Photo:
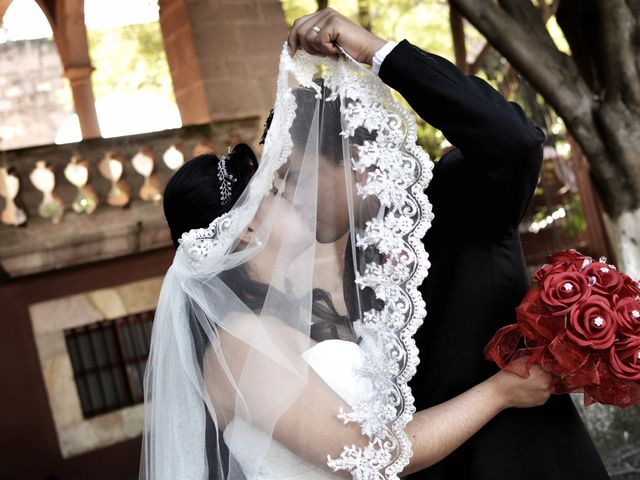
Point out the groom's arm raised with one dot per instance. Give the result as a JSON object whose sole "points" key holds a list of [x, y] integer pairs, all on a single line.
{"points": [[501, 147]]}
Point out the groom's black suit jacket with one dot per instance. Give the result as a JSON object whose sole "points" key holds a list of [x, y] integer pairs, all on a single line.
{"points": [[480, 192]]}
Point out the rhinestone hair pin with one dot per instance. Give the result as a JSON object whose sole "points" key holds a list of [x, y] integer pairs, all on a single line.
{"points": [[225, 178]]}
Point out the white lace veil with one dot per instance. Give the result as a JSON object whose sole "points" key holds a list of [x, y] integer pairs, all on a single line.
{"points": [[282, 341]]}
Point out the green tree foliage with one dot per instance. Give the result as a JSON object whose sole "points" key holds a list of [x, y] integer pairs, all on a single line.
{"points": [[130, 59]]}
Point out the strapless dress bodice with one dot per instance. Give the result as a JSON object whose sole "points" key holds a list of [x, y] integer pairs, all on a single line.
{"points": [[335, 361]]}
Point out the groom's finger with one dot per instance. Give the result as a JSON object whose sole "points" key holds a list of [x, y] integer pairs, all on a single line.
{"points": [[322, 34], [305, 32], [293, 40], [326, 39], [308, 33], [315, 41]]}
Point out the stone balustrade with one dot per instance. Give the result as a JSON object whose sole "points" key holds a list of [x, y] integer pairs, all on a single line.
{"points": [[108, 232]]}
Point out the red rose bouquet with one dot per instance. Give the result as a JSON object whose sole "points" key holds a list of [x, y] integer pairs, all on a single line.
{"points": [[580, 320]]}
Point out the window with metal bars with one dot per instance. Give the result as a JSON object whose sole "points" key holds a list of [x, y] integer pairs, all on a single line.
{"points": [[108, 359]]}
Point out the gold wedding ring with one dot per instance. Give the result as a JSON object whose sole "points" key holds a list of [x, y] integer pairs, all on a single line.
{"points": [[316, 28]]}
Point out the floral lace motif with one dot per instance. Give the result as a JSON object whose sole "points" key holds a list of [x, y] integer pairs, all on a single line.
{"points": [[398, 171]]}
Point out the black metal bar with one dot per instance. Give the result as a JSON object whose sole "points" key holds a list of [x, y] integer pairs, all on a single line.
{"points": [[116, 366], [77, 332], [123, 364], [89, 333]]}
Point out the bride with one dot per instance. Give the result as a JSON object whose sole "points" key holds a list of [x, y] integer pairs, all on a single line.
{"points": [[282, 343]]}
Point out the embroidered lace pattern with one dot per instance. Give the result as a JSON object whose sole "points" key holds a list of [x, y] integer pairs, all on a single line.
{"points": [[398, 173]]}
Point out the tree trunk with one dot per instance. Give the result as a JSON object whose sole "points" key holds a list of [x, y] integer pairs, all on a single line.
{"points": [[627, 228], [597, 94]]}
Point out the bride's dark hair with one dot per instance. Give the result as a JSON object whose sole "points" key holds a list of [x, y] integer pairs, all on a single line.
{"points": [[192, 196], [192, 199]]}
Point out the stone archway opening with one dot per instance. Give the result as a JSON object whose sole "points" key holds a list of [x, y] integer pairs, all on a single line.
{"points": [[66, 21], [131, 81]]}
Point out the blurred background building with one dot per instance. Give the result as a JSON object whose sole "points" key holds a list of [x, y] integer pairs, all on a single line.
{"points": [[99, 103]]}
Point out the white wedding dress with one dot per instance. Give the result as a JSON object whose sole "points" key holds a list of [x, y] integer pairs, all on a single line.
{"points": [[335, 361]]}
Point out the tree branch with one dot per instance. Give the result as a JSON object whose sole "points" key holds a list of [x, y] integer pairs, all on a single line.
{"points": [[619, 54], [551, 73], [364, 14], [520, 11], [476, 65], [547, 10], [546, 68], [581, 27], [457, 32]]}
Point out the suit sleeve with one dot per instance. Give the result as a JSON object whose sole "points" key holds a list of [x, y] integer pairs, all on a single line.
{"points": [[500, 145]]}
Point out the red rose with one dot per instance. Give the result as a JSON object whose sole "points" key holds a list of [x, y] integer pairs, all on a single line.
{"points": [[550, 269], [625, 358], [628, 309], [592, 323], [536, 321], [604, 279], [630, 287], [569, 258], [565, 261], [560, 291]]}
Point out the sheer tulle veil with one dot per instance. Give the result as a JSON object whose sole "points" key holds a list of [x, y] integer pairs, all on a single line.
{"points": [[282, 341]]}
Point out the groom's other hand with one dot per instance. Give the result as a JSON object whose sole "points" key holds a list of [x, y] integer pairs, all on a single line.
{"points": [[320, 33]]}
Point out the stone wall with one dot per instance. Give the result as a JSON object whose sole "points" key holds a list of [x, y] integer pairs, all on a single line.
{"points": [[223, 56], [32, 89], [37, 440]]}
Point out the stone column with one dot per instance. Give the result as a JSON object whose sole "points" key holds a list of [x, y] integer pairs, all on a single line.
{"points": [[83, 100], [223, 56], [70, 34], [4, 4]]}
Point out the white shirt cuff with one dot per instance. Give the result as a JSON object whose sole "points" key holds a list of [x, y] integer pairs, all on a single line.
{"points": [[381, 54]]}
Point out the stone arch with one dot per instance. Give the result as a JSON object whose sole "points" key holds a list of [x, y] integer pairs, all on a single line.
{"points": [[66, 18]]}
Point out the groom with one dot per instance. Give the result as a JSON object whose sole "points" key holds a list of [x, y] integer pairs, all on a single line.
{"points": [[479, 192]]}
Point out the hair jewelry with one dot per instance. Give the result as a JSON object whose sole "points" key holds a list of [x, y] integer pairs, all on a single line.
{"points": [[225, 178]]}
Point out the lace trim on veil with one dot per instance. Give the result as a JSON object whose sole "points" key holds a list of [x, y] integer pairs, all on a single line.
{"points": [[398, 173]]}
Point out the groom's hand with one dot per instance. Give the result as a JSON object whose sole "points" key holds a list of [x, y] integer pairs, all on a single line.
{"points": [[320, 33]]}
